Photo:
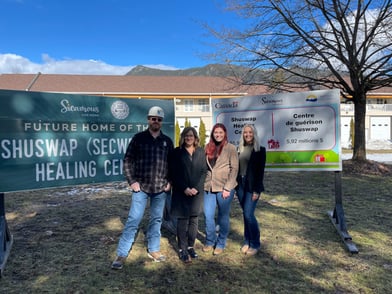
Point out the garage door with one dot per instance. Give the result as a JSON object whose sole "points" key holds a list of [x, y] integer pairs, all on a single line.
{"points": [[380, 128]]}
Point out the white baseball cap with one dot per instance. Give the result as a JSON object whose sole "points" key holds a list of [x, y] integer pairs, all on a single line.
{"points": [[156, 111]]}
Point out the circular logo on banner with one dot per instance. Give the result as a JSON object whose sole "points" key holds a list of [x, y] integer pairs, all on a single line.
{"points": [[120, 109]]}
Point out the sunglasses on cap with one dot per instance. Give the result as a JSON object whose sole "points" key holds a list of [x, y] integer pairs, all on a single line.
{"points": [[159, 119]]}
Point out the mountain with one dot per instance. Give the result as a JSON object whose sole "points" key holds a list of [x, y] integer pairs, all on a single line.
{"points": [[210, 70], [248, 76]]}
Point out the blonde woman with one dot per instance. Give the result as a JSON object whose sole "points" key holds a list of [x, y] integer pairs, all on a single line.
{"points": [[250, 179]]}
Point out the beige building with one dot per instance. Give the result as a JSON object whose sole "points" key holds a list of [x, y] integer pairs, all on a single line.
{"points": [[192, 96]]}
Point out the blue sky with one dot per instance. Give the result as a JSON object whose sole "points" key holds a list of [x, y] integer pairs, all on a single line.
{"points": [[108, 36]]}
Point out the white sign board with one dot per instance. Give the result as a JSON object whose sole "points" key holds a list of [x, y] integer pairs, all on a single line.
{"points": [[301, 131]]}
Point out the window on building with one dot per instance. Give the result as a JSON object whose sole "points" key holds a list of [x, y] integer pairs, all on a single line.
{"points": [[188, 104], [204, 105]]}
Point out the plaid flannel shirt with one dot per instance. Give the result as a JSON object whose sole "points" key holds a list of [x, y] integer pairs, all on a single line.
{"points": [[146, 161]]}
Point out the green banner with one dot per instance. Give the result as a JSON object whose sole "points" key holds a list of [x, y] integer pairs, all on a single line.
{"points": [[54, 139]]}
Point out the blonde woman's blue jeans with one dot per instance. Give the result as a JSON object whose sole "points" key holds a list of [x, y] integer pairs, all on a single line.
{"points": [[251, 225]]}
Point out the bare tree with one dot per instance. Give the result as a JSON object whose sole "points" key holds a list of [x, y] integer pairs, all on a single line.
{"points": [[331, 44]]}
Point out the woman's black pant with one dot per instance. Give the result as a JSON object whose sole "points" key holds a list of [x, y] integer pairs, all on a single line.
{"points": [[187, 229]]}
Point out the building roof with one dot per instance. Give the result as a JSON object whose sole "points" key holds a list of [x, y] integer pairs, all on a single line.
{"points": [[106, 84], [142, 86]]}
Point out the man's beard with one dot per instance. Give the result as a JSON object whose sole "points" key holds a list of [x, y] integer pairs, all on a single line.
{"points": [[154, 127]]}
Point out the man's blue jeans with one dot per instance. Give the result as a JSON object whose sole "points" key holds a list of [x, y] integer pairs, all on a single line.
{"points": [[211, 201], [136, 212], [251, 225]]}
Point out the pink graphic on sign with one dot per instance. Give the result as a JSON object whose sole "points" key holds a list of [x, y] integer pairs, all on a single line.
{"points": [[273, 144]]}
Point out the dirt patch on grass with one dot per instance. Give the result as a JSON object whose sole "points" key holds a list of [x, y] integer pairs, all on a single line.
{"points": [[367, 167]]}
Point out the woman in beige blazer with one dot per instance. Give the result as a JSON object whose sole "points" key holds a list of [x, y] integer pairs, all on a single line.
{"points": [[222, 162]]}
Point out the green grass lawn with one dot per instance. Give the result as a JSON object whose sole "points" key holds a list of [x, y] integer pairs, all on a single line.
{"points": [[65, 240]]}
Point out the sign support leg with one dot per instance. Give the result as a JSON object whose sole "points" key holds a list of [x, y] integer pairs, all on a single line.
{"points": [[337, 215], [6, 238]]}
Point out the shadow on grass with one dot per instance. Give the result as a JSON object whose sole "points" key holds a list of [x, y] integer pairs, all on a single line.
{"points": [[65, 240]]}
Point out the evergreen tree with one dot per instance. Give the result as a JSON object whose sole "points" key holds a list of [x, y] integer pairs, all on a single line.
{"points": [[177, 134], [202, 133], [187, 123]]}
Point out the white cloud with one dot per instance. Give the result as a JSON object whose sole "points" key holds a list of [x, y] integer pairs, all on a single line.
{"points": [[15, 64]]}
